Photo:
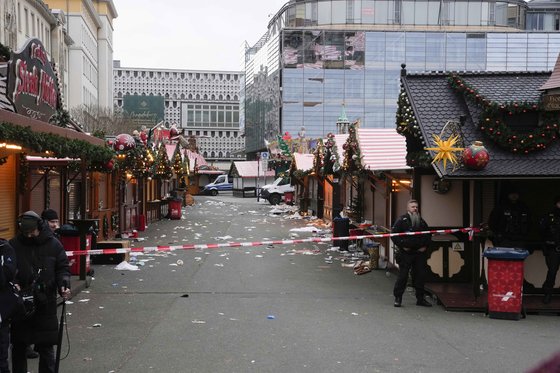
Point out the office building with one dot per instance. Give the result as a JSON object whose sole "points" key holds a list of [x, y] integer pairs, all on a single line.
{"points": [[317, 56], [203, 104]]}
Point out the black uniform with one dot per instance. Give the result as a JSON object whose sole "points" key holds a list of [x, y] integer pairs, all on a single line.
{"points": [[408, 257], [510, 223], [42, 267], [550, 231], [7, 302]]}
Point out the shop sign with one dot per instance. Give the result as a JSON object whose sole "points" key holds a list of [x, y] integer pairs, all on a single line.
{"points": [[32, 83], [551, 102]]}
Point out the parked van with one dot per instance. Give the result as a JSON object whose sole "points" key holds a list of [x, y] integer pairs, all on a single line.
{"points": [[274, 192], [221, 184]]}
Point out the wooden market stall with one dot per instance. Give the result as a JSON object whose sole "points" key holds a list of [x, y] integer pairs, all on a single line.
{"points": [[514, 115], [300, 173], [248, 176], [378, 182]]}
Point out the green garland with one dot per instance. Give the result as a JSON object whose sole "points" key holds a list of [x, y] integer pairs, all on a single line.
{"points": [[330, 161], [493, 124], [59, 146], [419, 158], [353, 156], [61, 118], [5, 52]]}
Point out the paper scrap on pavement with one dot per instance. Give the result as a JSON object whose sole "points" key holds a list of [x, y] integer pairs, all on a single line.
{"points": [[125, 266], [305, 229]]}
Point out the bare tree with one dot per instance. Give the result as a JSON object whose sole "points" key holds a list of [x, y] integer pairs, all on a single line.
{"points": [[100, 121]]}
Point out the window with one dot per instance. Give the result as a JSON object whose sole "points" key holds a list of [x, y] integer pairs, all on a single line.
{"points": [[26, 21], [19, 17]]}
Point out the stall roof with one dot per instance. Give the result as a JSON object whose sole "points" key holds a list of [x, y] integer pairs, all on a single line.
{"points": [[435, 102], [303, 162], [170, 150], [197, 161], [250, 169], [382, 149]]}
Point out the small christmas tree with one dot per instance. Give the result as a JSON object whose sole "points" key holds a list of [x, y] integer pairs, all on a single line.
{"points": [[162, 167]]}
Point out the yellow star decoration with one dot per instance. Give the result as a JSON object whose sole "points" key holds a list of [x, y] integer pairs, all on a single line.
{"points": [[445, 149]]}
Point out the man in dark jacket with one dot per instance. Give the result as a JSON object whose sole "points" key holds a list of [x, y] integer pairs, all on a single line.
{"points": [[43, 270], [411, 256], [7, 300], [510, 221], [550, 231]]}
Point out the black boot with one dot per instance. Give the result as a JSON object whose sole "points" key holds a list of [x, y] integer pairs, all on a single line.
{"points": [[398, 301], [423, 302]]}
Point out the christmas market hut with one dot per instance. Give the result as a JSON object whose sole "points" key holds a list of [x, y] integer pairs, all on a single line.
{"points": [[200, 172], [331, 170], [45, 158], [472, 138], [300, 174], [377, 180], [247, 176]]}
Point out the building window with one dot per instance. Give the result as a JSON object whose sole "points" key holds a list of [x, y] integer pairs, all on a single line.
{"points": [[26, 21]]}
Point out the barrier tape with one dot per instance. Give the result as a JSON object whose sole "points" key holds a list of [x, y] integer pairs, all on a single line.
{"points": [[150, 249]]}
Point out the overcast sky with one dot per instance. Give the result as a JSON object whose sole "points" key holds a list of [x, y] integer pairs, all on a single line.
{"points": [[189, 34]]}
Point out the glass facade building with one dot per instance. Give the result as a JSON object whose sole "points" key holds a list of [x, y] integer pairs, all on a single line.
{"points": [[319, 55]]}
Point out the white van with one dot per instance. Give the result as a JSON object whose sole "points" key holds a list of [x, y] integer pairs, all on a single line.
{"points": [[275, 192]]}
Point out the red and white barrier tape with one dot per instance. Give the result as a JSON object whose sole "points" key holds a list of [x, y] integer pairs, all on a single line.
{"points": [[150, 249]]}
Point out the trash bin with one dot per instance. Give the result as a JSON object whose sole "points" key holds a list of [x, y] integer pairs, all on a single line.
{"points": [[341, 228], [70, 240], [175, 208], [289, 198], [505, 282]]}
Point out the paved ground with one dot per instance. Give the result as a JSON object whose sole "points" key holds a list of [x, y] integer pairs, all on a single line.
{"points": [[268, 309]]}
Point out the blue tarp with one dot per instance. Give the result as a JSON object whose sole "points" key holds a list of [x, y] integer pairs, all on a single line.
{"points": [[508, 253]]}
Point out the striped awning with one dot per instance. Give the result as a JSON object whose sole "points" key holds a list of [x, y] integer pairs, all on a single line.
{"points": [[382, 149]]}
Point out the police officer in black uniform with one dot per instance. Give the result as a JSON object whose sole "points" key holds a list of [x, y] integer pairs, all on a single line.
{"points": [[412, 256], [510, 221], [550, 231]]}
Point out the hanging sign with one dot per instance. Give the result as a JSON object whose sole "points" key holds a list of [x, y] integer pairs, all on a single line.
{"points": [[32, 82], [551, 102]]}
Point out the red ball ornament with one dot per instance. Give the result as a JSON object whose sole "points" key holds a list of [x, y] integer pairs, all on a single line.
{"points": [[476, 157], [110, 164], [124, 142]]}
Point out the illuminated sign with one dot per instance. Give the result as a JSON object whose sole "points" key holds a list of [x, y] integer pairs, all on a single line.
{"points": [[32, 83]]}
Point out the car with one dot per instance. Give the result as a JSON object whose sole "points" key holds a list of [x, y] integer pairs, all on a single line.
{"points": [[221, 184], [274, 192]]}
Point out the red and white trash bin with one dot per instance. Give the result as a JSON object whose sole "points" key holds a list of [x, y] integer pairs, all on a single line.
{"points": [[505, 282], [72, 243]]}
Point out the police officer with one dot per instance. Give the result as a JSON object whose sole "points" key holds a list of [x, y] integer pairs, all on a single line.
{"points": [[510, 221], [550, 231], [412, 256]]}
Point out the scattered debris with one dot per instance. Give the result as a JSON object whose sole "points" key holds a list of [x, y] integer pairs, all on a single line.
{"points": [[125, 266]]}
